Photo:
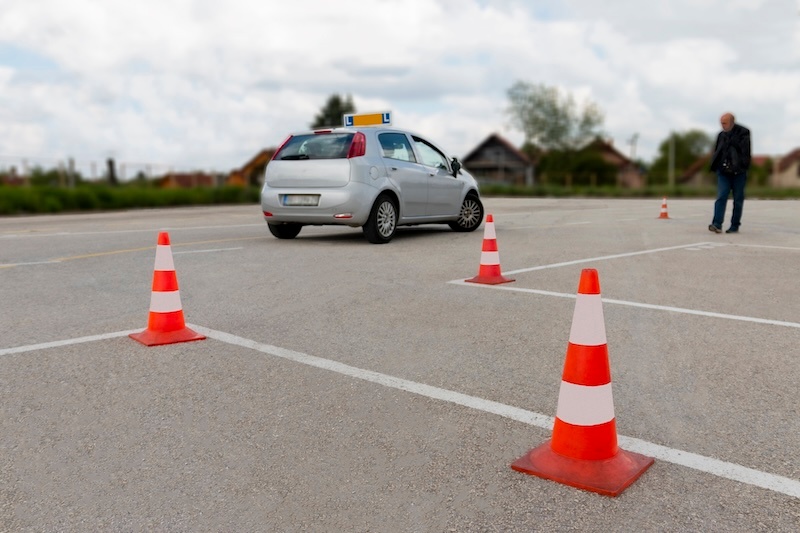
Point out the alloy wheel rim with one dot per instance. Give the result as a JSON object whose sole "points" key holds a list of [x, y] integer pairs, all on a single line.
{"points": [[386, 219], [469, 213]]}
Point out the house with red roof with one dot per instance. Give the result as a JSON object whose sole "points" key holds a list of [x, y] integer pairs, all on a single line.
{"points": [[185, 180], [252, 172], [628, 173], [496, 160], [786, 171]]}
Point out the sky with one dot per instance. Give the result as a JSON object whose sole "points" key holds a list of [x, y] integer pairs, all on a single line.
{"points": [[205, 85]]}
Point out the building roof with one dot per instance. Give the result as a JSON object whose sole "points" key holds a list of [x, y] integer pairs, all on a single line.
{"points": [[189, 179], [703, 161], [695, 167], [496, 138], [260, 158], [787, 160], [606, 146]]}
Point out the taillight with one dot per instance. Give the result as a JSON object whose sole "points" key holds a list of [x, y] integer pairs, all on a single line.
{"points": [[281, 147], [358, 146]]}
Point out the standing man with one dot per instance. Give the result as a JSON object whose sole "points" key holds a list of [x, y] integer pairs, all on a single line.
{"points": [[731, 161]]}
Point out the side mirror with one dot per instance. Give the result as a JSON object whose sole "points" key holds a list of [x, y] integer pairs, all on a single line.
{"points": [[456, 166]]}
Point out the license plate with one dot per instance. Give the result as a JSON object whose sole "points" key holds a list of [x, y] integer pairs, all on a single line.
{"points": [[301, 199]]}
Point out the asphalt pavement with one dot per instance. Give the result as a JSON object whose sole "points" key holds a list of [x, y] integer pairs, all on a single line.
{"points": [[346, 386]]}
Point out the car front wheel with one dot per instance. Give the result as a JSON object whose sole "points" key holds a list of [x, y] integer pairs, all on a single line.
{"points": [[470, 216], [382, 221], [285, 231]]}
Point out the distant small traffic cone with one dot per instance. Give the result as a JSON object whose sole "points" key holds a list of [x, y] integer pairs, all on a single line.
{"points": [[664, 209], [489, 270], [583, 450], [166, 324]]}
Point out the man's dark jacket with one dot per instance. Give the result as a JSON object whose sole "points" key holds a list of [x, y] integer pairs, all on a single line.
{"points": [[732, 152]]}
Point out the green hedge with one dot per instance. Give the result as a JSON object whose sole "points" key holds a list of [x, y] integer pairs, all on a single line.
{"points": [[44, 199], [556, 191]]}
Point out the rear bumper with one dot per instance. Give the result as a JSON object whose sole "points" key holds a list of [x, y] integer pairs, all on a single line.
{"points": [[355, 200]]}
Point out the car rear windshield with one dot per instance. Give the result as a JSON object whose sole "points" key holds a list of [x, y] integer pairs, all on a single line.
{"points": [[316, 146]]}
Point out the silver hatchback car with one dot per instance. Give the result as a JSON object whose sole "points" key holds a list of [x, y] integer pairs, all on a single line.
{"points": [[373, 177]]}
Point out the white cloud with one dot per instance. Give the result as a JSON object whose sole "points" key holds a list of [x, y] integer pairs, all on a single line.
{"points": [[208, 84]]}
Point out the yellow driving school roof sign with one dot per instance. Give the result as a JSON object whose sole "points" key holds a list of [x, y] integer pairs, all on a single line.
{"points": [[368, 119]]}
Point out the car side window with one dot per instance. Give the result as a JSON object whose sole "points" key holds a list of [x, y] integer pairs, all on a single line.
{"points": [[396, 146], [430, 156]]}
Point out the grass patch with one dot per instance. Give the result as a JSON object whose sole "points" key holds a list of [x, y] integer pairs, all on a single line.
{"points": [[97, 197], [90, 197]]}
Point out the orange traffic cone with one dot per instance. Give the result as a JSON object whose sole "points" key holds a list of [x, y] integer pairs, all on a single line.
{"points": [[583, 450], [664, 209], [165, 324], [489, 270]]}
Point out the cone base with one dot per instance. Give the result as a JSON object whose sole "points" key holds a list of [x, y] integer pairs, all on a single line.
{"points": [[150, 337], [663, 216], [489, 280], [607, 476]]}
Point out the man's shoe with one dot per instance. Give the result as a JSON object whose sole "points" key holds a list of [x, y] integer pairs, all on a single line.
{"points": [[732, 230], [712, 227]]}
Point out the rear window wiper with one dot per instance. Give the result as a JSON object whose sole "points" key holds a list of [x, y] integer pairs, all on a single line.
{"points": [[295, 156]]}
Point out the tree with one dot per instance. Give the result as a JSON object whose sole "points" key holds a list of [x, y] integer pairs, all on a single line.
{"points": [[585, 167], [688, 147], [550, 119], [333, 110], [759, 174]]}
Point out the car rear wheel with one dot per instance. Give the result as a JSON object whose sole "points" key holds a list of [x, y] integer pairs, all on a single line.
{"points": [[285, 231], [382, 221], [470, 216]]}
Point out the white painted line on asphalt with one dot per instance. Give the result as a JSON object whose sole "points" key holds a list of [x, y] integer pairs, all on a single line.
{"points": [[429, 391], [204, 251], [67, 342], [9, 265], [601, 258], [767, 246], [682, 310], [709, 465]]}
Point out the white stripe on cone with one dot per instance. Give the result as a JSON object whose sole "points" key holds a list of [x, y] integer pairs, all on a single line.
{"points": [[588, 324], [581, 405], [164, 258], [165, 301], [489, 232], [490, 258]]}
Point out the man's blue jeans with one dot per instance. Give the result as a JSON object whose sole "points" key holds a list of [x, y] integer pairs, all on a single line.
{"points": [[726, 184]]}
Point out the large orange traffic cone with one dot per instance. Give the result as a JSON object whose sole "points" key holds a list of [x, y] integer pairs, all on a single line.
{"points": [[165, 324], [583, 450], [664, 209], [489, 269]]}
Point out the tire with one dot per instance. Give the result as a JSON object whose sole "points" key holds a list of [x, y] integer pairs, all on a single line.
{"points": [[470, 216], [285, 231], [382, 222]]}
